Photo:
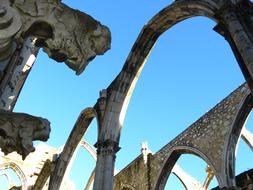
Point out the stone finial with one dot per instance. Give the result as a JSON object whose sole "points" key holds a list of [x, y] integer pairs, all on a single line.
{"points": [[19, 130], [145, 151], [103, 93]]}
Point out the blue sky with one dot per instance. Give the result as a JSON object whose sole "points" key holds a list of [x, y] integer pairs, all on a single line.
{"points": [[190, 69]]}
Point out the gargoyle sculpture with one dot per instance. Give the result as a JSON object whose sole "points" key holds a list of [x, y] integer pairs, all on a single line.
{"points": [[19, 130], [65, 34]]}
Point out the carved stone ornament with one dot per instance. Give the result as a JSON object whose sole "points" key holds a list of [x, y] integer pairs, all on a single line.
{"points": [[65, 34], [10, 24], [19, 130]]}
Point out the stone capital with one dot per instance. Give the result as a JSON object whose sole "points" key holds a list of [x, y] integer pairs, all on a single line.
{"points": [[107, 147]]}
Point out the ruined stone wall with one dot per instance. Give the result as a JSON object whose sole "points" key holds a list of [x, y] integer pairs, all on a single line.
{"points": [[209, 138], [133, 176]]}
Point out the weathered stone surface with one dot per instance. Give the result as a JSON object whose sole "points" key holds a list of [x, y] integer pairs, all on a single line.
{"points": [[16, 188], [33, 176], [213, 137], [58, 33], [19, 130], [120, 90], [16, 73], [127, 177], [136, 176], [244, 181], [65, 34], [247, 136], [70, 147], [10, 24]]}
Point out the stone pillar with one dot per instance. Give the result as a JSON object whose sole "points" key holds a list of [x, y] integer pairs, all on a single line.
{"points": [[108, 140], [237, 21], [15, 60], [18, 68], [106, 154]]}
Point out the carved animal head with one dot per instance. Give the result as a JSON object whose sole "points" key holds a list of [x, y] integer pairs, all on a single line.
{"points": [[65, 34], [83, 38], [19, 130], [31, 129]]}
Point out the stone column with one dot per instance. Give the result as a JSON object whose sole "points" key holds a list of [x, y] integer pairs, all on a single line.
{"points": [[106, 154], [108, 137], [236, 20], [15, 60], [18, 68]]}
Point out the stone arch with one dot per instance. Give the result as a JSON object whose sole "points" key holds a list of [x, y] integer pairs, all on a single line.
{"points": [[180, 179], [7, 176], [171, 160], [89, 149], [233, 111], [17, 170], [121, 89], [93, 154], [71, 146], [186, 180], [232, 139], [247, 136]]}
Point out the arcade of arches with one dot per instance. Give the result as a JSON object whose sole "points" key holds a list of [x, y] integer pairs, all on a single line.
{"points": [[28, 25]]}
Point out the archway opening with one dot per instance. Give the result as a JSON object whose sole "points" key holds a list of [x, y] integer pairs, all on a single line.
{"points": [[85, 159], [9, 178], [182, 79], [191, 172]]}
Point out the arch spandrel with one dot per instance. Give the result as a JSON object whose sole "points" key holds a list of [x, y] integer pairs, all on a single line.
{"points": [[207, 137]]}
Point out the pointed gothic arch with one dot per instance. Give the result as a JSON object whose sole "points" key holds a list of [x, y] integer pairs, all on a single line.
{"points": [[18, 171]]}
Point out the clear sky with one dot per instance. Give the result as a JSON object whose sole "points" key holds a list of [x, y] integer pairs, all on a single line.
{"points": [[190, 69]]}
